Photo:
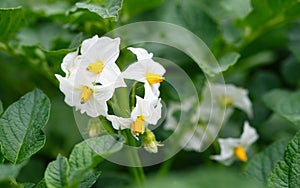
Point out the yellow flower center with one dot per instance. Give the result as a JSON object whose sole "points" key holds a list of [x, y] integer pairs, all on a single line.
{"points": [[154, 78], [226, 101], [240, 153], [138, 127], [85, 94], [95, 67]]}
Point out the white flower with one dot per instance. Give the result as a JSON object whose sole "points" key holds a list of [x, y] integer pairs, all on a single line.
{"points": [[145, 70], [236, 148], [147, 111], [98, 57], [85, 96], [70, 63], [216, 97]]}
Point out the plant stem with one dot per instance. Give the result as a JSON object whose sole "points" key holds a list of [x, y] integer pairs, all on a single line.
{"points": [[137, 172]]}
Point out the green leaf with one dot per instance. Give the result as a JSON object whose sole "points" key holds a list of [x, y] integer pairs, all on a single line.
{"points": [[21, 126], [290, 71], [57, 172], [106, 144], [228, 60], [12, 19], [90, 180], [261, 165], [287, 172], [9, 171], [105, 8], [41, 184], [285, 103]]}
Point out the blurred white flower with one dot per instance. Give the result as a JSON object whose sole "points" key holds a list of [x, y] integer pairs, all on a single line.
{"points": [[147, 111], [145, 70], [98, 57], [236, 148], [219, 97]]}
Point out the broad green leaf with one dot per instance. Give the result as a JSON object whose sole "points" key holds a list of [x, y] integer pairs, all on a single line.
{"points": [[105, 8], [86, 154], [261, 165], [28, 185], [287, 171], [21, 126], [1, 107], [57, 172], [9, 171], [285, 103], [228, 60], [12, 19], [105, 145], [88, 182], [41, 184]]}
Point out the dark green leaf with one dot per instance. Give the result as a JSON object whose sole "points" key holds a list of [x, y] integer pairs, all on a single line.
{"points": [[285, 103], [287, 172], [8, 171], [11, 20], [290, 71], [41, 184], [21, 126], [105, 9], [57, 172], [91, 180], [261, 165]]}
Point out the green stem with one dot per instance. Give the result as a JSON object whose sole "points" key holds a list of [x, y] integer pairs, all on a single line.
{"points": [[137, 172], [165, 167]]}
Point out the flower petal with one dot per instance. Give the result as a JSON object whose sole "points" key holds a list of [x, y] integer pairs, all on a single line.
{"points": [[70, 63], [119, 122], [135, 71], [141, 53], [249, 135]]}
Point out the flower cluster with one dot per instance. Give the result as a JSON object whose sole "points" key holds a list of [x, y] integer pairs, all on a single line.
{"points": [[92, 76], [215, 107]]}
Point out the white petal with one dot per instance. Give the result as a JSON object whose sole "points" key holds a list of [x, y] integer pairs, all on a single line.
{"points": [[66, 86], [240, 98], [111, 74], [249, 135], [227, 150], [119, 122], [141, 53], [154, 67], [103, 92], [102, 49], [70, 63], [135, 71], [149, 94], [156, 114]]}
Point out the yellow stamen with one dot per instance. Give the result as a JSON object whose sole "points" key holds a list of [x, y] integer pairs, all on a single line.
{"points": [[226, 101], [154, 78], [85, 94], [240, 153], [138, 127], [95, 67]]}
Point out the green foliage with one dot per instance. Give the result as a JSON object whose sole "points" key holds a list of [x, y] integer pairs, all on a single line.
{"points": [[80, 170], [228, 60], [287, 171], [261, 165], [285, 103], [105, 8], [9, 171], [21, 126], [12, 19], [1, 107]]}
